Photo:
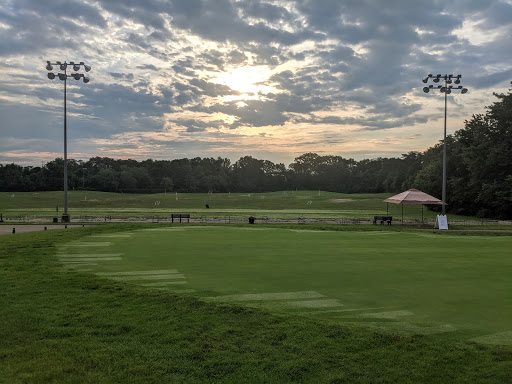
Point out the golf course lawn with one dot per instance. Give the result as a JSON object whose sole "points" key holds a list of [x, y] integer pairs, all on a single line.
{"points": [[84, 205], [454, 285], [160, 303]]}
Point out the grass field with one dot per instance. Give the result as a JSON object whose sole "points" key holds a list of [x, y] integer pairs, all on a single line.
{"points": [[283, 204], [273, 303], [414, 282], [254, 304]]}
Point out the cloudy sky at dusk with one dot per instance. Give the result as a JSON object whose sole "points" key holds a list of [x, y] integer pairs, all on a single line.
{"points": [[270, 79]]}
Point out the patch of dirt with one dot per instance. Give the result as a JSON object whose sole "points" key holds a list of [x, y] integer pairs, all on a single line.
{"points": [[91, 200], [342, 200]]}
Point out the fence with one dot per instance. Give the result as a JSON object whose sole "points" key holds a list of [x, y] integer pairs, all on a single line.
{"points": [[26, 218]]}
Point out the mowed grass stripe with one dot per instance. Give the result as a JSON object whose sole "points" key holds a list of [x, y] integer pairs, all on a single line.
{"points": [[134, 273], [118, 235], [388, 315], [339, 311], [91, 244], [71, 264], [325, 303], [267, 296], [71, 260], [89, 255], [500, 338], [163, 283], [149, 277], [406, 328]]}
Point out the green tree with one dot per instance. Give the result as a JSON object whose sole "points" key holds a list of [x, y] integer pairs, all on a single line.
{"points": [[486, 151]]}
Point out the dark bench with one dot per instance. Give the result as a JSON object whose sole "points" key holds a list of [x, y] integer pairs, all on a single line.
{"points": [[180, 216], [382, 219]]}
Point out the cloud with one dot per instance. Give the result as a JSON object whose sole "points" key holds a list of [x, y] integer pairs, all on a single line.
{"points": [[331, 65]]}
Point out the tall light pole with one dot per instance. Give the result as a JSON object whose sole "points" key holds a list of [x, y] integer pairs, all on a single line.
{"points": [[64, 76], [445, 88]]}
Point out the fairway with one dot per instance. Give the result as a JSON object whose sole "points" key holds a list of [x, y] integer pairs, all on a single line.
{"points": [[455, 286], [87, 205]]}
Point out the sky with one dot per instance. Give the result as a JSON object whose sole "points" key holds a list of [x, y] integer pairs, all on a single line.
{"points": [[229, 78]]}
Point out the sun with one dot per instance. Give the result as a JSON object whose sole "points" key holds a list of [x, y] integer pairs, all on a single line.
{"points": [[247, 80]]}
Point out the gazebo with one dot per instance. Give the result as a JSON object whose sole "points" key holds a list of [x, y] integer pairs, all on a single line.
{"points": [[414, 196]]}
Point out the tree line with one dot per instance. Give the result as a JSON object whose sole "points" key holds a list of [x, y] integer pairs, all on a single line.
{"points": [[479, 164]]}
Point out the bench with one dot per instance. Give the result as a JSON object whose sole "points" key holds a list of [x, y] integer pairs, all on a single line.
{"points": [[382, 219], [180, 216]]}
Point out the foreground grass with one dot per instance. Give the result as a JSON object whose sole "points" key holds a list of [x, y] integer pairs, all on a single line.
{"points": [[61, 326]]}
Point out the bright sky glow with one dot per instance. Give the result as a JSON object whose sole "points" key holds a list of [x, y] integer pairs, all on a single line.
{"points": [[246, 80]]}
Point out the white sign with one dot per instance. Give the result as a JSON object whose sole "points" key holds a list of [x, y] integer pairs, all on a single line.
{"points": [[441, 222]]}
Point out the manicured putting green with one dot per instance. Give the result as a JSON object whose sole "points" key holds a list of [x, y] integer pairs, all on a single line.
{"points": [[413, 282]]}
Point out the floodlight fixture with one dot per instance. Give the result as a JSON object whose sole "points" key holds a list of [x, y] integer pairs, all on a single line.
{"points": [[64, 76], [447, 90]]}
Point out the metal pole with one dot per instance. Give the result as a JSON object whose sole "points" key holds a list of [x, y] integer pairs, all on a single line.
{"points": [[65, 216], [443, 197]]}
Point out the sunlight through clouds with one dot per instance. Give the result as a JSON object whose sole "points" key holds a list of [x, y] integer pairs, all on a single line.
{"points": [[247, 80]]}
